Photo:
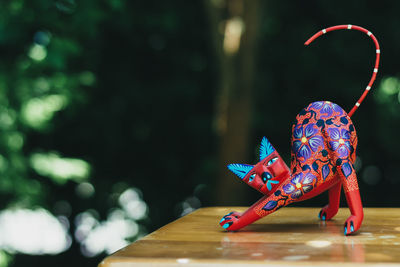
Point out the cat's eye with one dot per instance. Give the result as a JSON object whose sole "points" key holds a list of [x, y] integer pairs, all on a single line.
{"points": [[251, 178], [272, 161]]}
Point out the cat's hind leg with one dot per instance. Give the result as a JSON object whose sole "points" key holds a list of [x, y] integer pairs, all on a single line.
{"points": [[349, 180], [330, 210]]}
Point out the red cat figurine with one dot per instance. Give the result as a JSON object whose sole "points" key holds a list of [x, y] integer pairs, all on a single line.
{"points": [[323, 152]]}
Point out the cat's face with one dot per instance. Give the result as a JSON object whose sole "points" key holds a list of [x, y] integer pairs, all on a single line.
{"points": [[267, 174]]}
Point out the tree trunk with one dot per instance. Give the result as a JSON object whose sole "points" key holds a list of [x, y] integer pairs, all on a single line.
{"points": [[235, 26]]}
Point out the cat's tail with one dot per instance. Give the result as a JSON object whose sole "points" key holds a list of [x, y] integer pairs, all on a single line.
{"points": [[378, 51]]}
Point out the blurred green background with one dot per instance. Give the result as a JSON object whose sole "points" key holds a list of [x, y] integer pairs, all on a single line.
{"points": [[117, 117]]}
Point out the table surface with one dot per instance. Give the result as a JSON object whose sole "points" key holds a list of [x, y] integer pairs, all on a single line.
{"points": [[289, 237]]}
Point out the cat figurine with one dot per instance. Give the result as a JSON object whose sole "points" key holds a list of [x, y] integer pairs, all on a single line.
{"points": [[323, 152]]}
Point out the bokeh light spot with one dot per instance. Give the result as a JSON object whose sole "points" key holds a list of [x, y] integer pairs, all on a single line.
{"points": [[62, 207], [7, 118], [4, 259], [87, 78], [134, 207], [109, 236], [84, 190], [372, 175], [390, 85], [15, 141], [234, 29], [38, 111], [32, 232], [60, 169], [37, 52], [41, 85], [42, 38]]}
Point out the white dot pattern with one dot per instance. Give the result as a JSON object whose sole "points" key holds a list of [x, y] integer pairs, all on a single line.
{"points": [[377, 50]]}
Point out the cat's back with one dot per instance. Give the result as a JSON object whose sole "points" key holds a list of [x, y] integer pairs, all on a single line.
{"points": [[319, 126], [323, 113], [323, 110]]}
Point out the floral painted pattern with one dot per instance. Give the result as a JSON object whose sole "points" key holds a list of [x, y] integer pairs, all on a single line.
{"points": [[299, 185], [340, 141], [327, 108], [305, 140]]}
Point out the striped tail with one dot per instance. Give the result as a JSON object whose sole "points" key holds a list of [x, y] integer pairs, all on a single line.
{"points": [[378, 51]]}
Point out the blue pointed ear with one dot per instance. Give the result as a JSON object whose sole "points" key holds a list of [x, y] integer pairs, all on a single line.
{"points": [[240, 170], [266, 148]]}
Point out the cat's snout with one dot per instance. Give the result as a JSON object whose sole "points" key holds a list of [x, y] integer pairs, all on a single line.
{"points": [[266, 175]]}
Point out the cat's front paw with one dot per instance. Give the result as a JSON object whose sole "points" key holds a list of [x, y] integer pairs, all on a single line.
{"points": [[228, 221]]}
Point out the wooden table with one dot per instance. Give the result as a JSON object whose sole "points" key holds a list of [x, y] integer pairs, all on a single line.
{"points": [[289, 237]]}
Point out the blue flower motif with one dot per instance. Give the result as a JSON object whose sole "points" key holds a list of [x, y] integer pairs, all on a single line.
{"points": [[325, 171], [341, 141], [306, 140], [346, 169], [299, 185], [270, 205], [327, 107]]}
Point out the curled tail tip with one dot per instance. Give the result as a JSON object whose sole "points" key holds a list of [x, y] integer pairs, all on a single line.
{"points": [[309, 41], [315, 36]]}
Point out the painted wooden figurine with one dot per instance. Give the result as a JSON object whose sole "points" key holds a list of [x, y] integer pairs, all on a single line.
{"points": [[323, 152]]}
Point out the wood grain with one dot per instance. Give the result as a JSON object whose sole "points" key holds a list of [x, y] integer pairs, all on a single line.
{"points": [[289, 237]]}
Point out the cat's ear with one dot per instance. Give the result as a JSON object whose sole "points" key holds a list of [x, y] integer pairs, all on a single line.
{"points": [[266, 148], [241, 170]]}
